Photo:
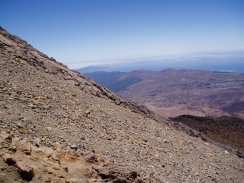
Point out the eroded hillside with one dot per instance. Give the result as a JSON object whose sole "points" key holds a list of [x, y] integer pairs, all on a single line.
{"points": [[44, 103]]}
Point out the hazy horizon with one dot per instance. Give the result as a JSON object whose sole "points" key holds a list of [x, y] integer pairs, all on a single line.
{"points": [[93, 32], [233, 57]]}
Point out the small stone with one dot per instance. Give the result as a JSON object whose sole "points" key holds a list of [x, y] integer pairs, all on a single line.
{"points": [[24, 146], [19, 125], [74, 147], [49, 128], [6, 107], [81, 153], [66, 169], [45, 107], [226, 152], [2, 168], [13, 148], [92, 158], [145, 139], [134, 175], [26, 173], [165, 141], [9, 159], [240, 154], [8, 139], [61, 176], [37, 142], [20, 118], [82, 137], [88, 112]]}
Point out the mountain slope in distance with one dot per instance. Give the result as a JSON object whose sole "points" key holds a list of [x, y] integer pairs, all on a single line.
{"points": [[45, 103], [228, 131], [174, 92]]}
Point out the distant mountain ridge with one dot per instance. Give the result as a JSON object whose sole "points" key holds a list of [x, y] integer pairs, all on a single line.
{"points": [[116, 81], [173, 92]]}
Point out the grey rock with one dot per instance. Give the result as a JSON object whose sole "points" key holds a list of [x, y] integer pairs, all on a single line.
{"points": [[74, 146]]}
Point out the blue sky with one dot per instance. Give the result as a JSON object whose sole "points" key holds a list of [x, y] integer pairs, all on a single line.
{"points": [[86, 32]]}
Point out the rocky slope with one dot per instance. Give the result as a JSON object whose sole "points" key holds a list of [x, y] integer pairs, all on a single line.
{"points": [[43, 103], [227, 131]]}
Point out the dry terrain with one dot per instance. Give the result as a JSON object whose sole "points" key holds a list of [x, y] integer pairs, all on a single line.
{"points": [[176, 92], [227, 131], [58, 126]]}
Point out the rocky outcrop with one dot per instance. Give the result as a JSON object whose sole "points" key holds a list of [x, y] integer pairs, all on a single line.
{"points": [[57, 164]]}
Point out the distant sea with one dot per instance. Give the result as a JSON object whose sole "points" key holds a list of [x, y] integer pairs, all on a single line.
{"points": [[156, 67], [222, 62]]}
